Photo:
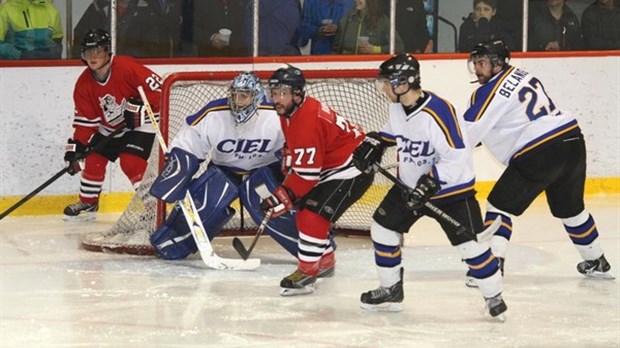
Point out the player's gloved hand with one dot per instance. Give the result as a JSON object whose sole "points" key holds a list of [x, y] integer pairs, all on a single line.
{"points": [[424, 190], [369, 152], [134, 113], [281, 201], [73, 151]]}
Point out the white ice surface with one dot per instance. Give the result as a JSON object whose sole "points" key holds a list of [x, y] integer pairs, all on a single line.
{"points": [[53, 294]]}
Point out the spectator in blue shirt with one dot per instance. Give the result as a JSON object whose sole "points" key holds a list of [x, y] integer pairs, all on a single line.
{"points": [[320, 22], [278, 29]]}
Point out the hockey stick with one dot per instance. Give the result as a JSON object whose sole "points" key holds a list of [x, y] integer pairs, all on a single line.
{"points": [[238, 245], [208, 255], [485, 235], [88, 151]]}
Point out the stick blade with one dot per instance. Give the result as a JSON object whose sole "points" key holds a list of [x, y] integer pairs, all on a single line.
{"points": [[240, 248], [488, 232]]}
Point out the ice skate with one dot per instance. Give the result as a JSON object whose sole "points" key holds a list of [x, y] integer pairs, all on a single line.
{"points": [[297, 283], [470, 281], [497, 307], [598, 268], [81, 211], [384, 299], [327, 266]]}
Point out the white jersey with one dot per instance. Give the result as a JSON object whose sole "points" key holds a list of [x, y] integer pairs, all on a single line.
{"points": [[241, 147], [430, 141], [512, 114]]}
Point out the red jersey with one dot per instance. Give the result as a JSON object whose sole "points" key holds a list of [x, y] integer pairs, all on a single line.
{"points": [[320, 144], [99, 105]]}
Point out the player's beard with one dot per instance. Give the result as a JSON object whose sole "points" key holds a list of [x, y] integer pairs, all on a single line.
{"points": [[282, 110]]}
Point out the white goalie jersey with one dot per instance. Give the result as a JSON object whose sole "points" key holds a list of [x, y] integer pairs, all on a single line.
{"points": [[242, 147], [512, 114]]}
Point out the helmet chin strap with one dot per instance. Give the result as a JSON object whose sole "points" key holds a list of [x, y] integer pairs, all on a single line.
{"points": [[401, 94]]}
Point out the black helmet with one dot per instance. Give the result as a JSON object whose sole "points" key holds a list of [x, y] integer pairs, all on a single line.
{"points": [[288, 76], [401, 68], [96, 38], [496, 50]]}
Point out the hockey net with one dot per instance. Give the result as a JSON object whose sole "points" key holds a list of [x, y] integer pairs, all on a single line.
{"points": [[350, 92]]}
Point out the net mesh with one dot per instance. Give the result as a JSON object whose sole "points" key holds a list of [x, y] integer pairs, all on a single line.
{"points": [[353, 97]]}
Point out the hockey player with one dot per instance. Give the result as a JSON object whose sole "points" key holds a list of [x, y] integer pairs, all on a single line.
{"points": [[321, 181], [436, 162], [106, 98], [243, 136], [542, 147]]}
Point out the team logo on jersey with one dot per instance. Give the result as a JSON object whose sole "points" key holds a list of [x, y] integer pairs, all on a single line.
{"points": [[245, 148], [417, 152], [111, 109]]}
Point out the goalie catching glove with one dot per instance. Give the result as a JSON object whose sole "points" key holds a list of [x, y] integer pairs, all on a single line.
{"points": [[369, 152], [424, 190], [134, 113], [73, 156], [280, 202]]}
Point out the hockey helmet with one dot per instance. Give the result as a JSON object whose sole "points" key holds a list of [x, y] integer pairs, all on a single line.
{"points": [[96, 38], [401, 68], [496, 50], [288, 76], [245, 95]]}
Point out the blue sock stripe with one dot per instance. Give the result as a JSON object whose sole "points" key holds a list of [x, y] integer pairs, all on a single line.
{"points": [[483, 265], [386, 255], [583, 234], [505, 229]]}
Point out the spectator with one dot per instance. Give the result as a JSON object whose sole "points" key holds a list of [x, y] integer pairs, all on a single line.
{"points": [[320, 22], [30, 29], [411, 25], [145, 28], [555, 28], [153, 30], [600, 23], [212, 15], [365, 30], [510, 14], [481, 25], [278, 29]]}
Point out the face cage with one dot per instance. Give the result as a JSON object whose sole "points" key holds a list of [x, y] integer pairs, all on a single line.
{"points": [[242, 113]]}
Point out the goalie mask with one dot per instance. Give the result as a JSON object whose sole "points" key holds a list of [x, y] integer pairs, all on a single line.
{"points": [[244, 96]]}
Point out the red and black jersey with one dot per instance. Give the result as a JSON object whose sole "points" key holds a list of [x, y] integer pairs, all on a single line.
{"points": [[99, 106], [320, 145]]}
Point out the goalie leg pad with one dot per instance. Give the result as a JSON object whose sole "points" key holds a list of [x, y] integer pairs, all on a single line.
{"points": [[282, 229], [212, 193], [171, 183]]}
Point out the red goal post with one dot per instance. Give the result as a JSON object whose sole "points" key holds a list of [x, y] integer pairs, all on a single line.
{"points": [[350, 92]]}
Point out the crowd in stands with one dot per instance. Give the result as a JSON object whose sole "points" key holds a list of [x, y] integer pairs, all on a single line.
{"points": [[32, 29]]}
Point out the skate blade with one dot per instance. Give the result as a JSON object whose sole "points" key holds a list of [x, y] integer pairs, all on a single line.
{"points": [[599, 275], [384, 307], [83, 217], [501, 318], [306, 290]]}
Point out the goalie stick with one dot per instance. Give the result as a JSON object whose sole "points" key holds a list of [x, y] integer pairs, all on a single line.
{"points": [[62, 172], [208, 255], [483, 236], [238, 245]]}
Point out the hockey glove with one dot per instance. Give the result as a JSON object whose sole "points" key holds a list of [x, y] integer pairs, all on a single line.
{"points": [[74, 150], [134, 113], [281, 201], [426, 188], [369, 152]]}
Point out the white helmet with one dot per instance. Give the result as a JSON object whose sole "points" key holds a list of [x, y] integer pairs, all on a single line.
{"points": [[244, 96]]}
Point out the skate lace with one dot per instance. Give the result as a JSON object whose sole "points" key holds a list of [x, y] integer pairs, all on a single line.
{"points": [[379, 292], [296, 276], [78, 206]]}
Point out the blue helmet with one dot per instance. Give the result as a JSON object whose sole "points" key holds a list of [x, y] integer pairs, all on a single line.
{"points": [[245, 95]]}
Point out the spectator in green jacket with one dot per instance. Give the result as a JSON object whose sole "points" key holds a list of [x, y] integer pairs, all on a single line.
{"points": [[365, 29], [30, 29]]}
